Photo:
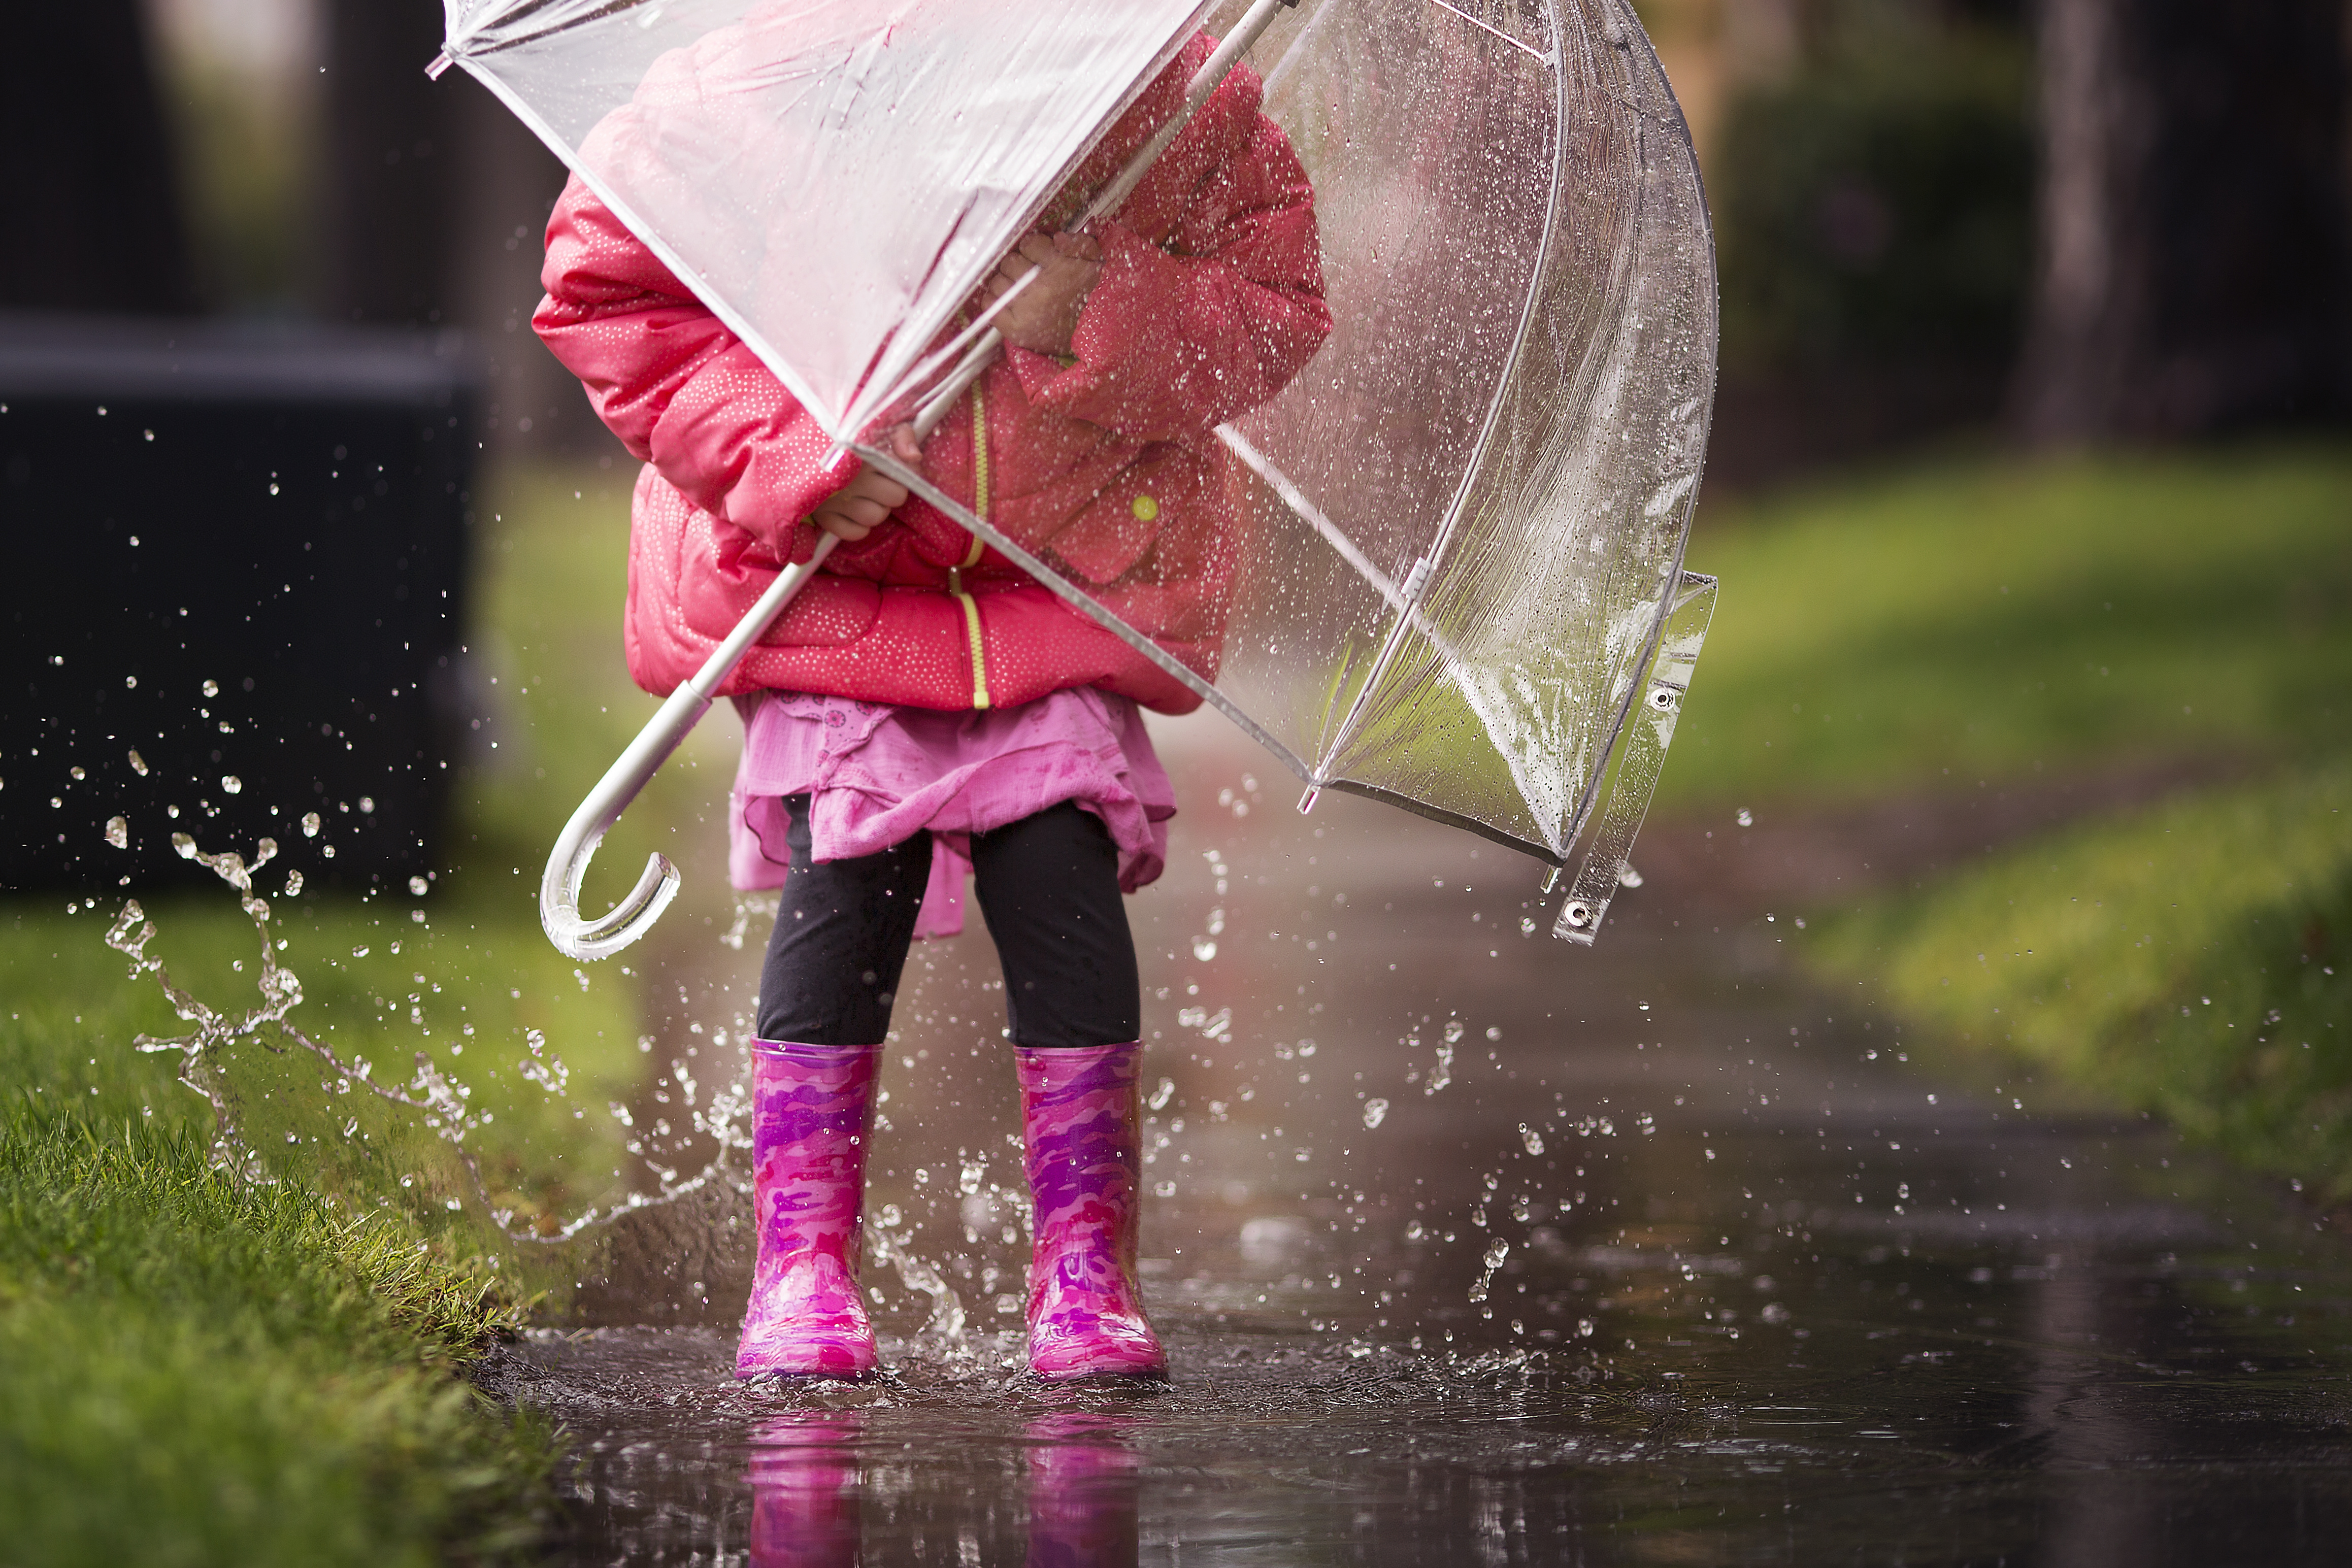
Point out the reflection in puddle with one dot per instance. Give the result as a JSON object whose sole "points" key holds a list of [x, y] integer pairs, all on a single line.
{"points": [[805, 1496]]}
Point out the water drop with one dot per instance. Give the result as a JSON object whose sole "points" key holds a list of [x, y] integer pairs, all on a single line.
{"points": [[1745, 819], [1531, 1138], [1527, 926], [75, 773], [1375, 1112], [1496, 1251], [212, 688], [138, 763], [232, 783], [293, 883], [1162, 1094], [1203, 949], [118, 832], [184, 845], [310, 824], [131, 683], [359, 952], [367, 803], [416, 885]]}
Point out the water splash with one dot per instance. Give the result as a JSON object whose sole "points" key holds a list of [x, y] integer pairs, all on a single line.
{"points": [[439, 1101], [1498, 1253]]}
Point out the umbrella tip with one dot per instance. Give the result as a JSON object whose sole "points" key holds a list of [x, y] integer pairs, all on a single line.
{"points": [[441, 62], [1306, 801]]}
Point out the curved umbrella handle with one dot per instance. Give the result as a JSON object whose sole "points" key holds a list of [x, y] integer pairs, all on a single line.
{"points": [[567, 862]]}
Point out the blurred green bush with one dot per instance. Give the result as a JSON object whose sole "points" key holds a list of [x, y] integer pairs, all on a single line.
{"points": [[1877, 205]]}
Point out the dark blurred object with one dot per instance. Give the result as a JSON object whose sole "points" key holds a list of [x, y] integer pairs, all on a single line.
{"points": [[434, 200], [2193, 268], [241, 554], [393, 162], [1873, 213], [92, 214]]}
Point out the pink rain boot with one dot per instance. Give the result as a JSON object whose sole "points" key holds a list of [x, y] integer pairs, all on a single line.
{"points": [[1080, 1127], [809, 1105]]}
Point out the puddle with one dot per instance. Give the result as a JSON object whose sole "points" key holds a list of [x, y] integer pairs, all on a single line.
{"points": [[1646, 1255]]}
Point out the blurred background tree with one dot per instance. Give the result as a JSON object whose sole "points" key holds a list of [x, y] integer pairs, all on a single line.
{"points": [[2081, 220], [93, 211], [2194, 262]]}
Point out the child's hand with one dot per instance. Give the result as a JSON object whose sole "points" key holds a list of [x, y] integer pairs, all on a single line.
{"points": [[863, 505], [1046, 313]]}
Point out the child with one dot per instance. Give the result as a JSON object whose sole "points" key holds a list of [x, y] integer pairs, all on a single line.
{"points": [[925, 705]]}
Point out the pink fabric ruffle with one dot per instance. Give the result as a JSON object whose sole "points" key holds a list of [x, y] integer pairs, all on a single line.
{"points": [[878, 774]]}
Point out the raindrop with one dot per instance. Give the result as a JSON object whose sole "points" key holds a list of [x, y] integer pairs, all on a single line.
{"points": [[232, 783], [1161, 1094], [293, 883], [1745, 819], [212, 688], [416, 885], [1375, 1112], [138, 763], [1203, 949], [1774, 1313], [310, 822], [131, 683], [75, 773], [184, 845], [359, 952], [118, 832], [1527, 926], [1531, 1138]]}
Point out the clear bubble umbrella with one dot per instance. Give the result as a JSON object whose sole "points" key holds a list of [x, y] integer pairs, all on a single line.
{"points": [[1455, 583]]}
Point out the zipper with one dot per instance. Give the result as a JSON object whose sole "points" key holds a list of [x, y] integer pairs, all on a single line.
{"points": [[955, 573]]}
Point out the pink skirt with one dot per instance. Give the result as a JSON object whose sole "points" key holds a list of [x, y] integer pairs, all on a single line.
{"points": [[878, 774]]}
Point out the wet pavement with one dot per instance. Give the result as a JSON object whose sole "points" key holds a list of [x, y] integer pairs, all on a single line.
{"points": [[1471, 1247]]}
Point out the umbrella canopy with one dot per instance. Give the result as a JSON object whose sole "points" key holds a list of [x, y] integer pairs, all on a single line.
{"points": [[1457, 578]]}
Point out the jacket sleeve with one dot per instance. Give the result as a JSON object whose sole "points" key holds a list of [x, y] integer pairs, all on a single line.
{"points": [[680, 389], [1178, 338]]}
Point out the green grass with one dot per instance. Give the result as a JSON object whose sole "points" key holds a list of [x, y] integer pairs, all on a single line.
{"points": [[1983, 620], [198, 1370], [2194, 960], [1983, 623]]}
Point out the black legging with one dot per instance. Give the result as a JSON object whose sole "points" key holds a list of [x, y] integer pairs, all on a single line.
{"points": [[1048, 885]]}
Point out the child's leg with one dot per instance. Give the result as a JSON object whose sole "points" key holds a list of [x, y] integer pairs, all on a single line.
{"points": [[825, 1006], [843, 929], [1048, 885]]}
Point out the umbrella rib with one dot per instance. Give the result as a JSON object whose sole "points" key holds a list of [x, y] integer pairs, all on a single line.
{"points": [[1425, 569], [1081, 600], [1490, 27]]}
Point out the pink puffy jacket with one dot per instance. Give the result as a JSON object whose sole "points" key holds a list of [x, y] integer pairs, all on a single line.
{"points": [[1211, 299]]}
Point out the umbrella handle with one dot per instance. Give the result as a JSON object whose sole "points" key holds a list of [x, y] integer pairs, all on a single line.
{"points": [[567, 862]]}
